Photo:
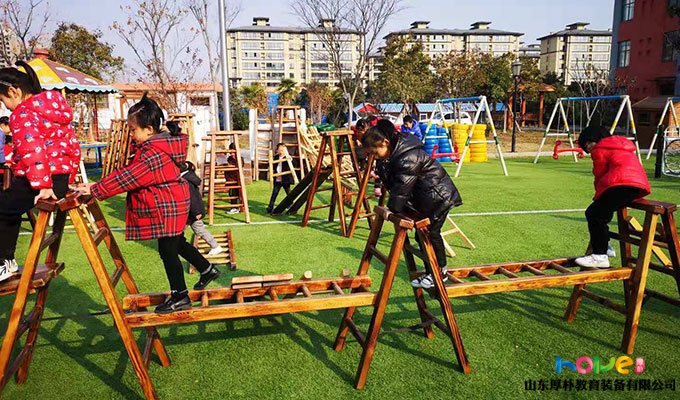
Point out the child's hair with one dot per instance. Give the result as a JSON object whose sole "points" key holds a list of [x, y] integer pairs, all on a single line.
{"points": [[384, 129], [592, 133], [189, 166], [232, 146], [27, 82], [4, 120], [278, 146], [146, 113], [408, 118], [361, 124]]}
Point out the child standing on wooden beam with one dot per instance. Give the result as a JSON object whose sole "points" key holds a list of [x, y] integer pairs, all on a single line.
{"points": [[158, 199], [413, 179], [619, 179]]}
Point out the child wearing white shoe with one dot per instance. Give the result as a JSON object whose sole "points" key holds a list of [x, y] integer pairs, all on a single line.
{"points": [[619, 179], [413, 178], [197, 209]]}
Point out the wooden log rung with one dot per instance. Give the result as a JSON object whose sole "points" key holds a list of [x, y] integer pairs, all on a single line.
{"points": [[507, 273], [48, 241], [663, 297], [480, 276], [337, 289], [604, 301], [560, 268], [533, 270], [378, 254], [358, 335]]}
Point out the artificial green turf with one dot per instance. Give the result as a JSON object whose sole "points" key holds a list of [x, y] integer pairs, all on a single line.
{"points": [[509, 337]]}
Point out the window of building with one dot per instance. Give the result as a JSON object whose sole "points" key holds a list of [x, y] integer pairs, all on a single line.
{"points": [[274, 56], [250, 45], [275, 35], [624, 54], [580, 39], [601, 47], [628, 8], [199, 101], [274, 46], [669, 52], [250, 35], [602, 39], [644, 119]]}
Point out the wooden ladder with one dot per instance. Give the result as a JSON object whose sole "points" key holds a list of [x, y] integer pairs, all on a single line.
{"points": [[186, 124], [264, 143], [215, 181], [118, 149], [333, 145], [290, 135], [38, 277], [273, 164]]}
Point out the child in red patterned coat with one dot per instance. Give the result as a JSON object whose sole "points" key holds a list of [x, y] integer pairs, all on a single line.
{"points": [[45, 153], [158, 199]]}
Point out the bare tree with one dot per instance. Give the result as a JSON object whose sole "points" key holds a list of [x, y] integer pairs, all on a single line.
{"points": [[334, 22], [26, 20], [200, 10], [155, 33]]}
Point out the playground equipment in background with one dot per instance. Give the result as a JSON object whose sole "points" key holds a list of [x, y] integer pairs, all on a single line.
{"points": [[455, 230], [670, 145], [273, 165], [437, 138], [557, 150], [282, 296], [289, 134], [227, 257], [562, 124], [450, 157], [482, 112], [261, 142], [186, 124], [224, 182], [119, 146]]}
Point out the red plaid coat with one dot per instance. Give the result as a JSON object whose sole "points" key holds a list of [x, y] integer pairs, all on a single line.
{"points": [[158, 199]]}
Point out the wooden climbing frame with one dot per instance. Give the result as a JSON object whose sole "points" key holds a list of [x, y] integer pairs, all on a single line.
{"points": [[455, 230], [118, 149], [264, 143], [186, 124], [289, 134], [227, 257], [215, 182], [273, 165]]}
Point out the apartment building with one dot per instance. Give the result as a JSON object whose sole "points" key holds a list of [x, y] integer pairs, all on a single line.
{"points": [[576, 53], [644, 53], [261, 53], [480, 37], [530, 51], [9, 45]]}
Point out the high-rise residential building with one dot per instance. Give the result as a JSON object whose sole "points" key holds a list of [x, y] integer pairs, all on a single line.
{"points": [[645, 47], [576, 53], [480, 37], [9, 45], [530, 51], [265, 54], [375, 63]]}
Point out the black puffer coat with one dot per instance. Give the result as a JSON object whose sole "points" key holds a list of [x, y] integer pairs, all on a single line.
{"points": [[412, 176], [196, 206]]}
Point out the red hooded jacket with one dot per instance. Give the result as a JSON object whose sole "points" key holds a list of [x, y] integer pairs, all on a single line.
{"points": [[43, 139], [616, 164], [157, 203]]}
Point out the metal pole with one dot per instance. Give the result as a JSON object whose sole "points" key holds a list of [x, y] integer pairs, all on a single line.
{"points": [[514, 115], [226, 114]]}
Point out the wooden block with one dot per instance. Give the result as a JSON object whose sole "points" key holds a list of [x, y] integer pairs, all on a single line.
{"points": [[345, 273], [246, 286], [307, 275], [277, 278], [246, 279]]}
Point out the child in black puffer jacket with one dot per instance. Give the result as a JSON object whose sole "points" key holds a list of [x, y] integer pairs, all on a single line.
{"points": [[197, 209], [413, 178]]}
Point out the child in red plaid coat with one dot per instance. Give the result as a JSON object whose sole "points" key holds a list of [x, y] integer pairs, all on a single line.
{"points": [[158, 199]]}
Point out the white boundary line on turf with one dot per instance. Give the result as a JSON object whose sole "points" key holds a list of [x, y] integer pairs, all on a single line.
{"points": [[456, 215]]}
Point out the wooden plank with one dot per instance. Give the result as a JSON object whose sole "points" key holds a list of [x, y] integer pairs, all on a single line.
{"points": [[538, 282], [237, 280], [246, 286], [514, 267], [250, 309]]}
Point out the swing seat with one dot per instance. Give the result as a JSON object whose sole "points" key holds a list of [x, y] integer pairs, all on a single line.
{"points": [[557, 150]]}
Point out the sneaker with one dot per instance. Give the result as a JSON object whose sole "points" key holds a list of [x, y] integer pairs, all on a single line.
{"points": [[175, 302], [5, 271], [233, 211], [593, 261], [426, 281], [206, 277], [217, 250], [610, 251], [13, 266]]}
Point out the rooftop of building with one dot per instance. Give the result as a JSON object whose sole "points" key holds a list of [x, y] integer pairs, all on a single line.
{"points": [[578, 29], [261, 24], [477, 28]]}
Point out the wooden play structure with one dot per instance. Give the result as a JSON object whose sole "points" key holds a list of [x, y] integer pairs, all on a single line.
{"points": [[273, 295], [560, 126], [274, 164], [289, 134], [263, 143], [222, 180], [336, 162], [186, 124], [456, 231], [482, 115], [228, 257], [119, 146]]}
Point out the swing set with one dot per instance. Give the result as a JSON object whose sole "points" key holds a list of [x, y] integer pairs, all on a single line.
{"points": [[583, 109], [670, 153]]}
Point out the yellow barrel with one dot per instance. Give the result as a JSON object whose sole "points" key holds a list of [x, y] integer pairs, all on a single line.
{"points": [[460, 134], [478, 150]]}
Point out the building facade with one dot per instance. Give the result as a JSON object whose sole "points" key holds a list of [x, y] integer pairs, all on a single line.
{"points": [[646, 36], [480, 37], [530, 51], [576, 53], [9, 45], [265, 54]]}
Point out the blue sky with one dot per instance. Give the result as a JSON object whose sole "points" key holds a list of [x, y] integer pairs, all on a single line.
{"points": [[533, 17]]}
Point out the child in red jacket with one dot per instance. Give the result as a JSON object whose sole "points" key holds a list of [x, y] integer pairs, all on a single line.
{"points": [[619, 179], [158, 199], [45, 155]]}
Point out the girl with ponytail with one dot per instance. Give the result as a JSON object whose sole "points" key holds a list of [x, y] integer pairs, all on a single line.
{"points": [[158, 199], [45, 153]]}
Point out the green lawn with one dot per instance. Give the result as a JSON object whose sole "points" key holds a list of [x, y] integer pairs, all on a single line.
{"points": [[508, 337]]}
